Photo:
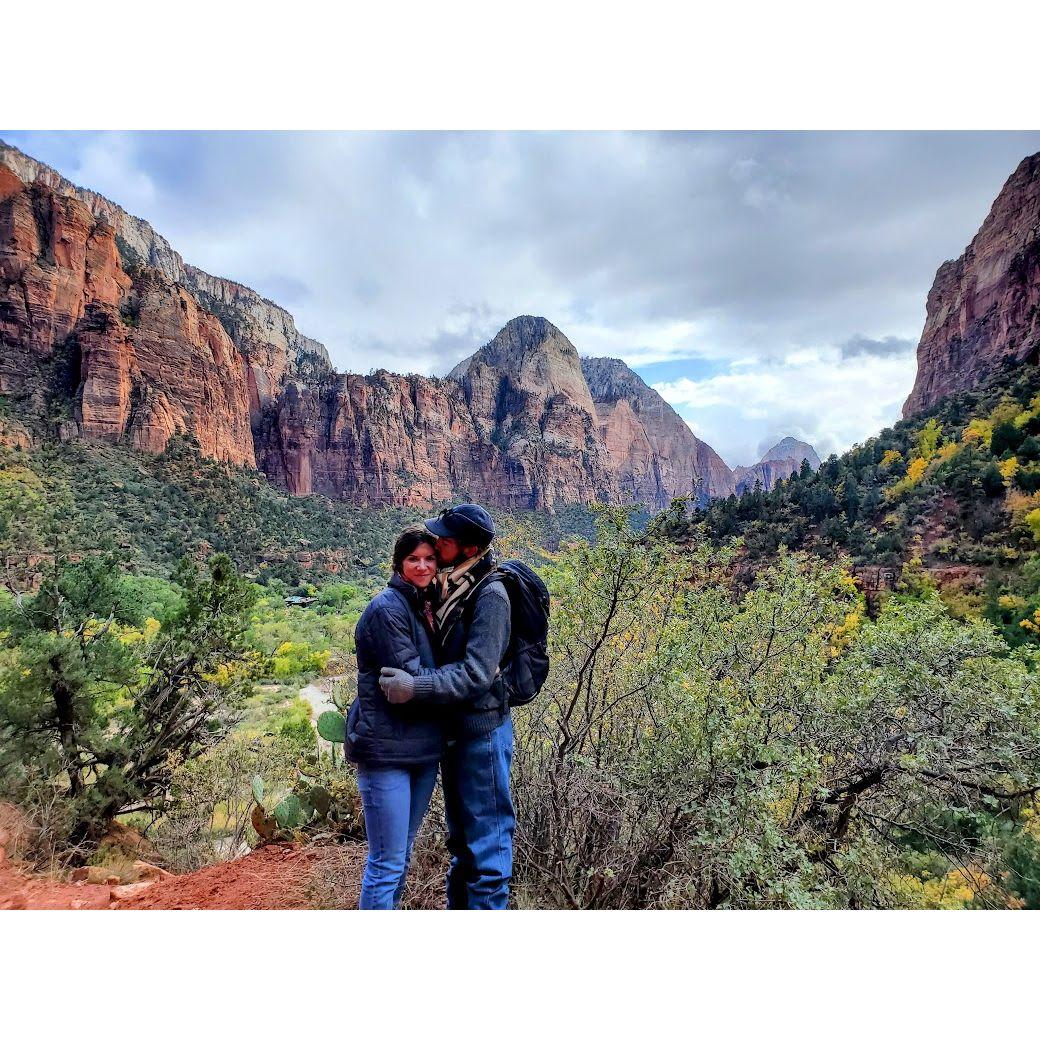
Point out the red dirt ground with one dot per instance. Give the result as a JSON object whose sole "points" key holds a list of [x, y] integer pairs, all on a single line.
{"points": [[275, 877]]}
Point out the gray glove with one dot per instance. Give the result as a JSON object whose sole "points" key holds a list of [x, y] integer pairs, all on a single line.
{"points": [[397, 684]]}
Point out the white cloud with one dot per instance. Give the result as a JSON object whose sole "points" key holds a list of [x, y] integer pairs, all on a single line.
{"points": [[767, 255], [813, 395]]}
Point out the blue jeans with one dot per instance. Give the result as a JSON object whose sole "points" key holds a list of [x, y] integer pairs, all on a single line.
{"points": [[479, 813], [395, 802]]}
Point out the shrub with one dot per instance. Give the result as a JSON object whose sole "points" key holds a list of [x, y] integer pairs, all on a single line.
{"points": [[702, 746]]}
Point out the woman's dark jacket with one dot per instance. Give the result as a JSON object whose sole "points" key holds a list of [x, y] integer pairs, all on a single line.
{"points": [[391, 633]]}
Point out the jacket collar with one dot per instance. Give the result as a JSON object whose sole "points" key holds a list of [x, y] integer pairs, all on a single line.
{"points": [[414, 595]]}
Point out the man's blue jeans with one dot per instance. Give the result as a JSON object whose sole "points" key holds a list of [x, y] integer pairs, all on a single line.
{"points": [[395, 802], [479, 813]]}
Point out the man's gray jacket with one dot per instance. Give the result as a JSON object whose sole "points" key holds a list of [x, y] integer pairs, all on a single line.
{"points": [[468, 650]]}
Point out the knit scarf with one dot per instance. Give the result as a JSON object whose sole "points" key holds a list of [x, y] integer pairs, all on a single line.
{"points": [[456, 584]]}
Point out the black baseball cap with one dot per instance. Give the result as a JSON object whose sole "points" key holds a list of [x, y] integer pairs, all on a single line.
{"points": [[468, 524]]}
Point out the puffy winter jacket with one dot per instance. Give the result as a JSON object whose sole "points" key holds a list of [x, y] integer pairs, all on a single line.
{"points": [[391, 633]]}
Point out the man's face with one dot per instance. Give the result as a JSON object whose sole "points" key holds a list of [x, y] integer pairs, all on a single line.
{"points": [[450, 551]]}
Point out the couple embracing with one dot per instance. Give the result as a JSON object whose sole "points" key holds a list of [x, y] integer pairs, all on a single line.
{"points": [[440, 661]]}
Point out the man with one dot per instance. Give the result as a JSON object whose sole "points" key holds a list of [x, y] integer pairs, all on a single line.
{"points": [[472, 638]]}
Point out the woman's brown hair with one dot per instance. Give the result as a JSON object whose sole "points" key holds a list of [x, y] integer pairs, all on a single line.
{"points": [[412, 536]]}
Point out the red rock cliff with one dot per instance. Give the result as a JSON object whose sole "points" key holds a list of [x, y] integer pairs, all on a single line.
{"points": [[103, 325], [984, 308], [654, 455], [137, 359]]}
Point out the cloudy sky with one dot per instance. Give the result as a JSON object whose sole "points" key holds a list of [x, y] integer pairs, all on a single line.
{"points": [[767, 284]]}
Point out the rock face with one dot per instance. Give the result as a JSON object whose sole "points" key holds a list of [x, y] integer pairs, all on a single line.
{"points": [[382, 439], [137, 358], [529, 399], [782, 460], [654, 455], [264, 337], [106, 334], [984, 308]]}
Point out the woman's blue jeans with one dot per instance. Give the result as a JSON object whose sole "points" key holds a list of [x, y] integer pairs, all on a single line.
{"points": [[395, 802]]}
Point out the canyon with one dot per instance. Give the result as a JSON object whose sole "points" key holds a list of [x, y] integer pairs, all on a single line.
{"points": [[107, 335]]}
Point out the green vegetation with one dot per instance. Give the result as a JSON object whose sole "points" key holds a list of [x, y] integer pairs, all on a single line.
{"points": [[153, 510], [141, 676], [953, 495], [703, 744], [729, 720], [102, 699]]}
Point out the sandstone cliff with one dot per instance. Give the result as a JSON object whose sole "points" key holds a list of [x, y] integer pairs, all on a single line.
{"points": [[262, 331], [984, 308], [106, 334], [782, 460], [654, 455], [117, 358], [528, 398]]}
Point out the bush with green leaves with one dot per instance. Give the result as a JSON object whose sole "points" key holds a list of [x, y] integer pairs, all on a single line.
{"points": [[206, 816], [700, 744]]}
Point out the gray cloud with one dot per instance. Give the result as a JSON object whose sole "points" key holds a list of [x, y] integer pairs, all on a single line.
{"points": [[890, 346], [410, 250]]}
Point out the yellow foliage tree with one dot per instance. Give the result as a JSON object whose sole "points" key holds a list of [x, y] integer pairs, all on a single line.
{"points": [[978, 431], [1008, 468]]}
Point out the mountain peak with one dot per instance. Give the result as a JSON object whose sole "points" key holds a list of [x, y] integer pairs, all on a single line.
{"points": [[536, 357], [790, 448], [527, 330], [781, 461], [516, 339]]}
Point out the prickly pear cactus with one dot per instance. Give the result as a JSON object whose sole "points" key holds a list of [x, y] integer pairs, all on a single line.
{"points": [[258, 790], [320, 800], [332, 726], [290, 814]]}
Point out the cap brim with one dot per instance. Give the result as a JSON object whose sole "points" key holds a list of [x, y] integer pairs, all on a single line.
{"points": [[438, 528]]}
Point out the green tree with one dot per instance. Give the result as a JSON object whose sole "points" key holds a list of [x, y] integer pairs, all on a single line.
{"points": [[1007, 438], [106, 710], [705, 744]]}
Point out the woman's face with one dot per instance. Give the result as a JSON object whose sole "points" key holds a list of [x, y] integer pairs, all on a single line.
{"points": [[420, 566]]}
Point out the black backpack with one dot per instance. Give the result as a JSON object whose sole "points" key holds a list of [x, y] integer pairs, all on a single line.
{"points": [[526, 661]]}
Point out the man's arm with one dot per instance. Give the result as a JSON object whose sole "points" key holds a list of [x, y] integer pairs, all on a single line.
{"points": [[485, 647]]}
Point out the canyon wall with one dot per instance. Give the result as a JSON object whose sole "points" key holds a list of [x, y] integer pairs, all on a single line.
{"points": [[984, 308], [107, 335]]}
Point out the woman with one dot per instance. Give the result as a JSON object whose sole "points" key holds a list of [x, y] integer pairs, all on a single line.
{"points": [[397, 747]]}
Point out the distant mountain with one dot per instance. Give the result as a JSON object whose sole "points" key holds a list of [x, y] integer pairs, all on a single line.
{"points": [[789, 448], [655, 454], [107, 335], [984, 308], [778, 463]]}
